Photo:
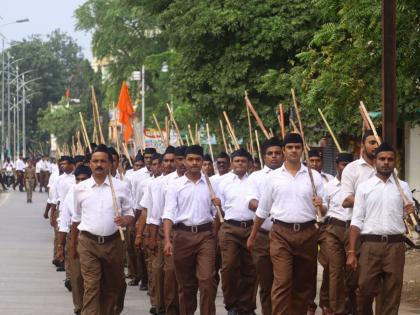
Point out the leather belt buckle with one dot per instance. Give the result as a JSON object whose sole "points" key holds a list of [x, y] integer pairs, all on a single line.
{"points": [[384, 238], [296, 227], [244, 224], [194, 229], [101, 239]]}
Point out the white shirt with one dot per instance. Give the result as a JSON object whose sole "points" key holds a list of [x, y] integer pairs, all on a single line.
{"points": [[51, 191], [353, 175], [66, 211], [153, 200], [53, 168], [326, 177], [334, 201], [138, 185], [62, 186], [188, 202], [38, 167], [44, 166], [94, 209], [20, 165], [8, 166], [288, 198], [378, 207], [257, 182], [231, 190]]}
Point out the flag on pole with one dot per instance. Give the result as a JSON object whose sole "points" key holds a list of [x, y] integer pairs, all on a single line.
{"points": [[126, 110], [68, 93]]}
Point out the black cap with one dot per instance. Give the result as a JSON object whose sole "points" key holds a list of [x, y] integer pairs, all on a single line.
{"points": [[180, 151], [194, 149], [79, 159], [384, 147], [223, 155], [242, 153], [113, 151], [314, 153], [149, 151], [344, 157], [169, 150], [207, 157], [157, 156], [67, 158], [292, 138], [83, 169], [272, 142], [104, 149]]}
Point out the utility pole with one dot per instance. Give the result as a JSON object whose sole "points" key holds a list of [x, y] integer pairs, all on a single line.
{"points": [[23, 116], [389, 72], [143, 91], [2, 100], [9, 151], [17, 113]]}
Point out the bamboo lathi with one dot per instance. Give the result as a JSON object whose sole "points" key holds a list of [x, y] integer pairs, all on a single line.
{"points": [[256, 116], [330, 131], [231, 131], [223, 136]]}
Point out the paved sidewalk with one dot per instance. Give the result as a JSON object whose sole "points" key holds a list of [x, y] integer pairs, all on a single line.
{"points": [[29, 284]]}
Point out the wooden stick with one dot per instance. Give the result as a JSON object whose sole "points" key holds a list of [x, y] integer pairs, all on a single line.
{"points": [[394, 175], [188, 141], [171, 115], [256, 116], [305, 150], [158, 127], [281, 114], [213, 195], [191, 135], [209, 141], [73, 146], [223, 136], [330, 131], [115, 204], [168, 132], [102, 139], [197, 140], [85, 132], [127, 155], [258, 148], [251, 142], [232, 132]]}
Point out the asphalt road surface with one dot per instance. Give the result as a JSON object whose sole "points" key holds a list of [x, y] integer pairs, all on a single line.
{"points": [[29, 284]]}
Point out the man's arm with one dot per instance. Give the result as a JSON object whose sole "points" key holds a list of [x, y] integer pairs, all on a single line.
{"points": [[167, 230], [74, 234], [351, 252], [251, 239]]}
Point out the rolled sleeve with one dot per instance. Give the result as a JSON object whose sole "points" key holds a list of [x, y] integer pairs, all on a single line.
{"points": [[359, 210], [171, 204], [347, 183], [265, 204], [125, 201], [77, 210]]}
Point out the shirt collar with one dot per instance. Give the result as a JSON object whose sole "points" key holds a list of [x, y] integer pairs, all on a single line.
{"points": [[91, 182], [303, 169], [266, 169], [335, 181], [389, 180], [362, 161], [185, 180]]}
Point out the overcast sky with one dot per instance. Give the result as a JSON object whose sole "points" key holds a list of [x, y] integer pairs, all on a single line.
{"points": [[45, 16]]}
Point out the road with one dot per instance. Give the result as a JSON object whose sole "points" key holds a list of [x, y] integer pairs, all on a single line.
{"points": [[29, 284]]}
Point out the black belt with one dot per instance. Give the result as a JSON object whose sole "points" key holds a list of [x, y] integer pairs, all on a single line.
{"points": [[262, 231], [195, 228], [242, 224], [100, 239], [338, 222], [396, 238], [295, 226]]}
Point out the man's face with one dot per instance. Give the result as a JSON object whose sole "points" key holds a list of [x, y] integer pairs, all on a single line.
{"points": [[100, 164], [138, 165], [340, 167], [257, 165], [293, 152], [369, 146], [240, 165], [148, 159], [315, 163], [155, 167], [169, 163], [81, 178], [115, 162], [273, 157], [385, 162], [180, 164], [208, 168], [223, 165], [193, 163]]}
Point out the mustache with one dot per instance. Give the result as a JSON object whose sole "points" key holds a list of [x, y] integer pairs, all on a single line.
{"points": [[99, 168]]}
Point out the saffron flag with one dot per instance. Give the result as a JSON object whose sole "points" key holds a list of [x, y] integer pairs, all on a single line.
{"points": [[126, 110]]}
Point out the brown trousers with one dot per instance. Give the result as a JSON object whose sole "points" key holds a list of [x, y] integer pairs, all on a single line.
{"points": [[171, 287], [324, 261], [29, 187], [294, 257], [239, 281], [381, 271], [56, 240], [132, 261], [264, 268], [43, 180], [102, 267], [194, 259], [76, 278], [156, 275]]}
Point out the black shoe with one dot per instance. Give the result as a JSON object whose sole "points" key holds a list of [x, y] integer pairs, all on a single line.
{"points": [[153, 310], [67, 284], [56, 263], [232, 312], [143, 286], [60, 267], [133, 282]]}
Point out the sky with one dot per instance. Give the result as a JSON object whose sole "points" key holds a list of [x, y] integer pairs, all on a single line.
{"points": [[44, 17]]}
